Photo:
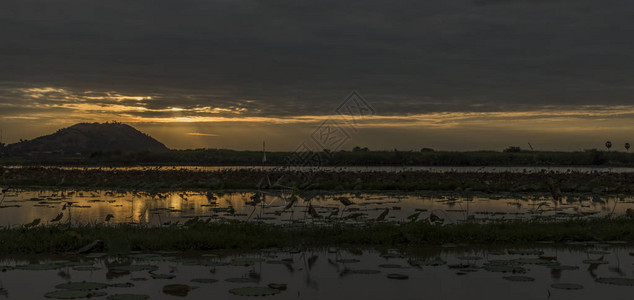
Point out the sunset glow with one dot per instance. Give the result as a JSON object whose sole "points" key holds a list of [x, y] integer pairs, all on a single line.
{"points": [[461, 75]]}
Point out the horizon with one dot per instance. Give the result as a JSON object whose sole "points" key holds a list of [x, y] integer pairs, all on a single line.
{"points": [[356, 133], [530, 148], [455, 76]]}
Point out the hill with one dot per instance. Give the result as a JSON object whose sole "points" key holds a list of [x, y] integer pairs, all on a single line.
{"points": [[87, 138]]}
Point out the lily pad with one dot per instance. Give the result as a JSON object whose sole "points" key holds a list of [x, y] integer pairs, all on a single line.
{"points": [[566, 286], [38, 267], [598, 252], [6, 268], [163, 276], [429, 262], [616, 280], [241, 280], [504, 269], [279, 262], [525, 252], [81, 286], [133, 268], [144, 256], [213, 264], [519, 278], [86, 268], [177, 289], [204, 280], [564, 267], [122, 285], [246, 261], [96, 255], [469, 257], [390, 266], [534, 261], [397, 276], [348, 261], [73, 294], [254, 291], [278, 286], [169, 252], [595, 261], [77, 263], [128, 297]]}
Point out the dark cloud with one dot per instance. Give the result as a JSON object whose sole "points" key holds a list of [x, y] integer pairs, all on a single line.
{"points": [[303, 57]]}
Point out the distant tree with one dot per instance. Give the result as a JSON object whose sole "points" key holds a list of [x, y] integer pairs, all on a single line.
{"points": [[608, 145], [513, 149], [427, 150], [627, 147], [596, 156]]}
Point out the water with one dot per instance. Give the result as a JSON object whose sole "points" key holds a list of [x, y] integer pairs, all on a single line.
{"points": [[113, 206], [432, 273]]}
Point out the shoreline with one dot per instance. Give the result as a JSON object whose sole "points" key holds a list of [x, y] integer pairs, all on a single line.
{"points": [[249, 179]]}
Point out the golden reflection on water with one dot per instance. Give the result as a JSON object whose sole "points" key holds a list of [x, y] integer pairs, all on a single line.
{"points": [[88, 207]]}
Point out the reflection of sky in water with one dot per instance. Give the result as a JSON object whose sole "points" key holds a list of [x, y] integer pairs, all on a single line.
{"points": [[321, 274], [22, 207]]}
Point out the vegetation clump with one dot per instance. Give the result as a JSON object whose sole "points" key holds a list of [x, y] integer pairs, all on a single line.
{"points": [[151, 179], [249, 236]]}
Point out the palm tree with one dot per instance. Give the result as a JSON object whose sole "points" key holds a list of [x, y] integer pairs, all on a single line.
{"points": [[608, 145]]}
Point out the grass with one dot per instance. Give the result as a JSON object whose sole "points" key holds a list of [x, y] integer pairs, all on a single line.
{"points": [[251, 236]]}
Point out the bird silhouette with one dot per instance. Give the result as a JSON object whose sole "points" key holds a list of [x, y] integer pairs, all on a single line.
{"points": [[4, 194]]}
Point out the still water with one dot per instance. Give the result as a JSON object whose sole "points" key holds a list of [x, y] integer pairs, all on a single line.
{"points": [[583, 271], [283, 207]]}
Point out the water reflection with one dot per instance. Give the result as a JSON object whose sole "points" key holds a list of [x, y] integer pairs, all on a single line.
{"points": [[287, 207], [458, 272]]}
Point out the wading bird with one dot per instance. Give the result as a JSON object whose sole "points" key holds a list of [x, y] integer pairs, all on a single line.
{"points": [[4, 194], [346, 202]]}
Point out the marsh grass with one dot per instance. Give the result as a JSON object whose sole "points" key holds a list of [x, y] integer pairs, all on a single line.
{"points": [[574, 182], [250, 236], [224, 157]]}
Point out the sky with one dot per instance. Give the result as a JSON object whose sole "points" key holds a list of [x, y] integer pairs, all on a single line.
{"points": [[448, 75]]}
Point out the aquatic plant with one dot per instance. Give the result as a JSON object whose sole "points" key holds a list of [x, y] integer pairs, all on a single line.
{"points": [[242, 235]]}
